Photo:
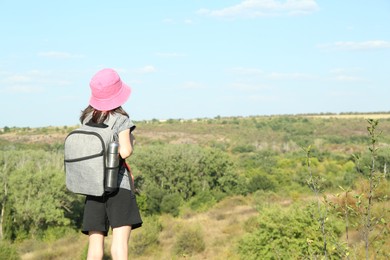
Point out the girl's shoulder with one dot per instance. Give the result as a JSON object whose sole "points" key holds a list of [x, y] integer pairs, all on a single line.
{"points": [[123, 122]]}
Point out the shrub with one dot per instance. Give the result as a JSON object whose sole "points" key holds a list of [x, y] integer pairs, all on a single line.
{"points": [[290, 233], [263, 199], [189, 241], [171, 203], [261, 182], [55, 233], [244, 149], [150, 199], [8, 251], [202, 201], [84, 253], [145, 238]]}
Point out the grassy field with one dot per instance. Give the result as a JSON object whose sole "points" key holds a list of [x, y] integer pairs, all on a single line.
{"points": [[248, 141], [221, 227], [204, 131], [348, 116]]}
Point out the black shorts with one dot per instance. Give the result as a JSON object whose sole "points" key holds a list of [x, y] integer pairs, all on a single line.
{"points": [[116, 209]]}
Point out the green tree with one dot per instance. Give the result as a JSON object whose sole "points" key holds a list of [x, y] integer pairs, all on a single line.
{"points": [[8, 251], [285, 233], [183, 169], [38, 198], [261, 181], [171, 203], [36, 195], [8, 162]]}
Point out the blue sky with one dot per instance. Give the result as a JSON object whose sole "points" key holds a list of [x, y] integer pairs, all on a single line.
{"points": [[194, 58]]}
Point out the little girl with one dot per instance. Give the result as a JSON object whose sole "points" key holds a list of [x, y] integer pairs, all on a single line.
{"points": [[118, 209]]}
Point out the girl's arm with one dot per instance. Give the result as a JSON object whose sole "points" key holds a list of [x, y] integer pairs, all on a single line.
{"points": [[126, 142]]}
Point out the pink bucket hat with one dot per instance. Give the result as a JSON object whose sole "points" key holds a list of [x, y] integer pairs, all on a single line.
{"points": [[108, 91]]}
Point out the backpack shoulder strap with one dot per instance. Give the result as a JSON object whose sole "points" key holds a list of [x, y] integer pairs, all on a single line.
{"points": [[109, 122], [112, 118]]}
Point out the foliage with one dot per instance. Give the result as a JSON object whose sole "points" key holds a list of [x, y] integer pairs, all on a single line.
{"points": [[171, 203], [285, 233], [315, 183], [260, 181], [202, 201], [244, 149], [189, 241], [149, 202], [371, 222], [263, 159], [182, 170], [193, 164], [146, 238], [34, 192], [8, 251], [54, 233], [373, 225]]}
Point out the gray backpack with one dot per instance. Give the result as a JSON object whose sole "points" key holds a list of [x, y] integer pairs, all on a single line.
{"points": [[85, 157]]}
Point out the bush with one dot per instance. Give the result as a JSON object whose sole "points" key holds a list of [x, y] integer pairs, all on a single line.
{"points": [[263, 199], [290, 233], [182, 169], [8, 251], [170, 204], [55, 233], [202, 201], [145, 238], [244, 149], [261, 182], [189, 241], [149, 201], [84, 253]]}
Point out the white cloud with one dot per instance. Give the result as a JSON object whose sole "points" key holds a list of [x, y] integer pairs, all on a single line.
{"points": [[347, 78], [289, 76], [272, 75], [247, 71], [13, 79], [345, 70], [21, 78], [59, 55], [147, 69], [341, 93], [346, 74], [355, 46], [363, 45], [70, 98], [170, 54], [262, 98], [192, 85], [23, 89], [259, 8], [33, 81], [248, 87]]}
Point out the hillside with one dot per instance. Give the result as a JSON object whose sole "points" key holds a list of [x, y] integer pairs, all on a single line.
{"points": [[220, 130], [226, 183]]}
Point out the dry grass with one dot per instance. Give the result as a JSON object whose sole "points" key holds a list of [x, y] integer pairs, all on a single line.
{"points": [[175, 133], [349, 116], [68, 248], [221, 227]]}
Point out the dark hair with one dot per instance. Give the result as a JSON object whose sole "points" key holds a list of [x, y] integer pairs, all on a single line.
{"points": [[98, 116]]}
